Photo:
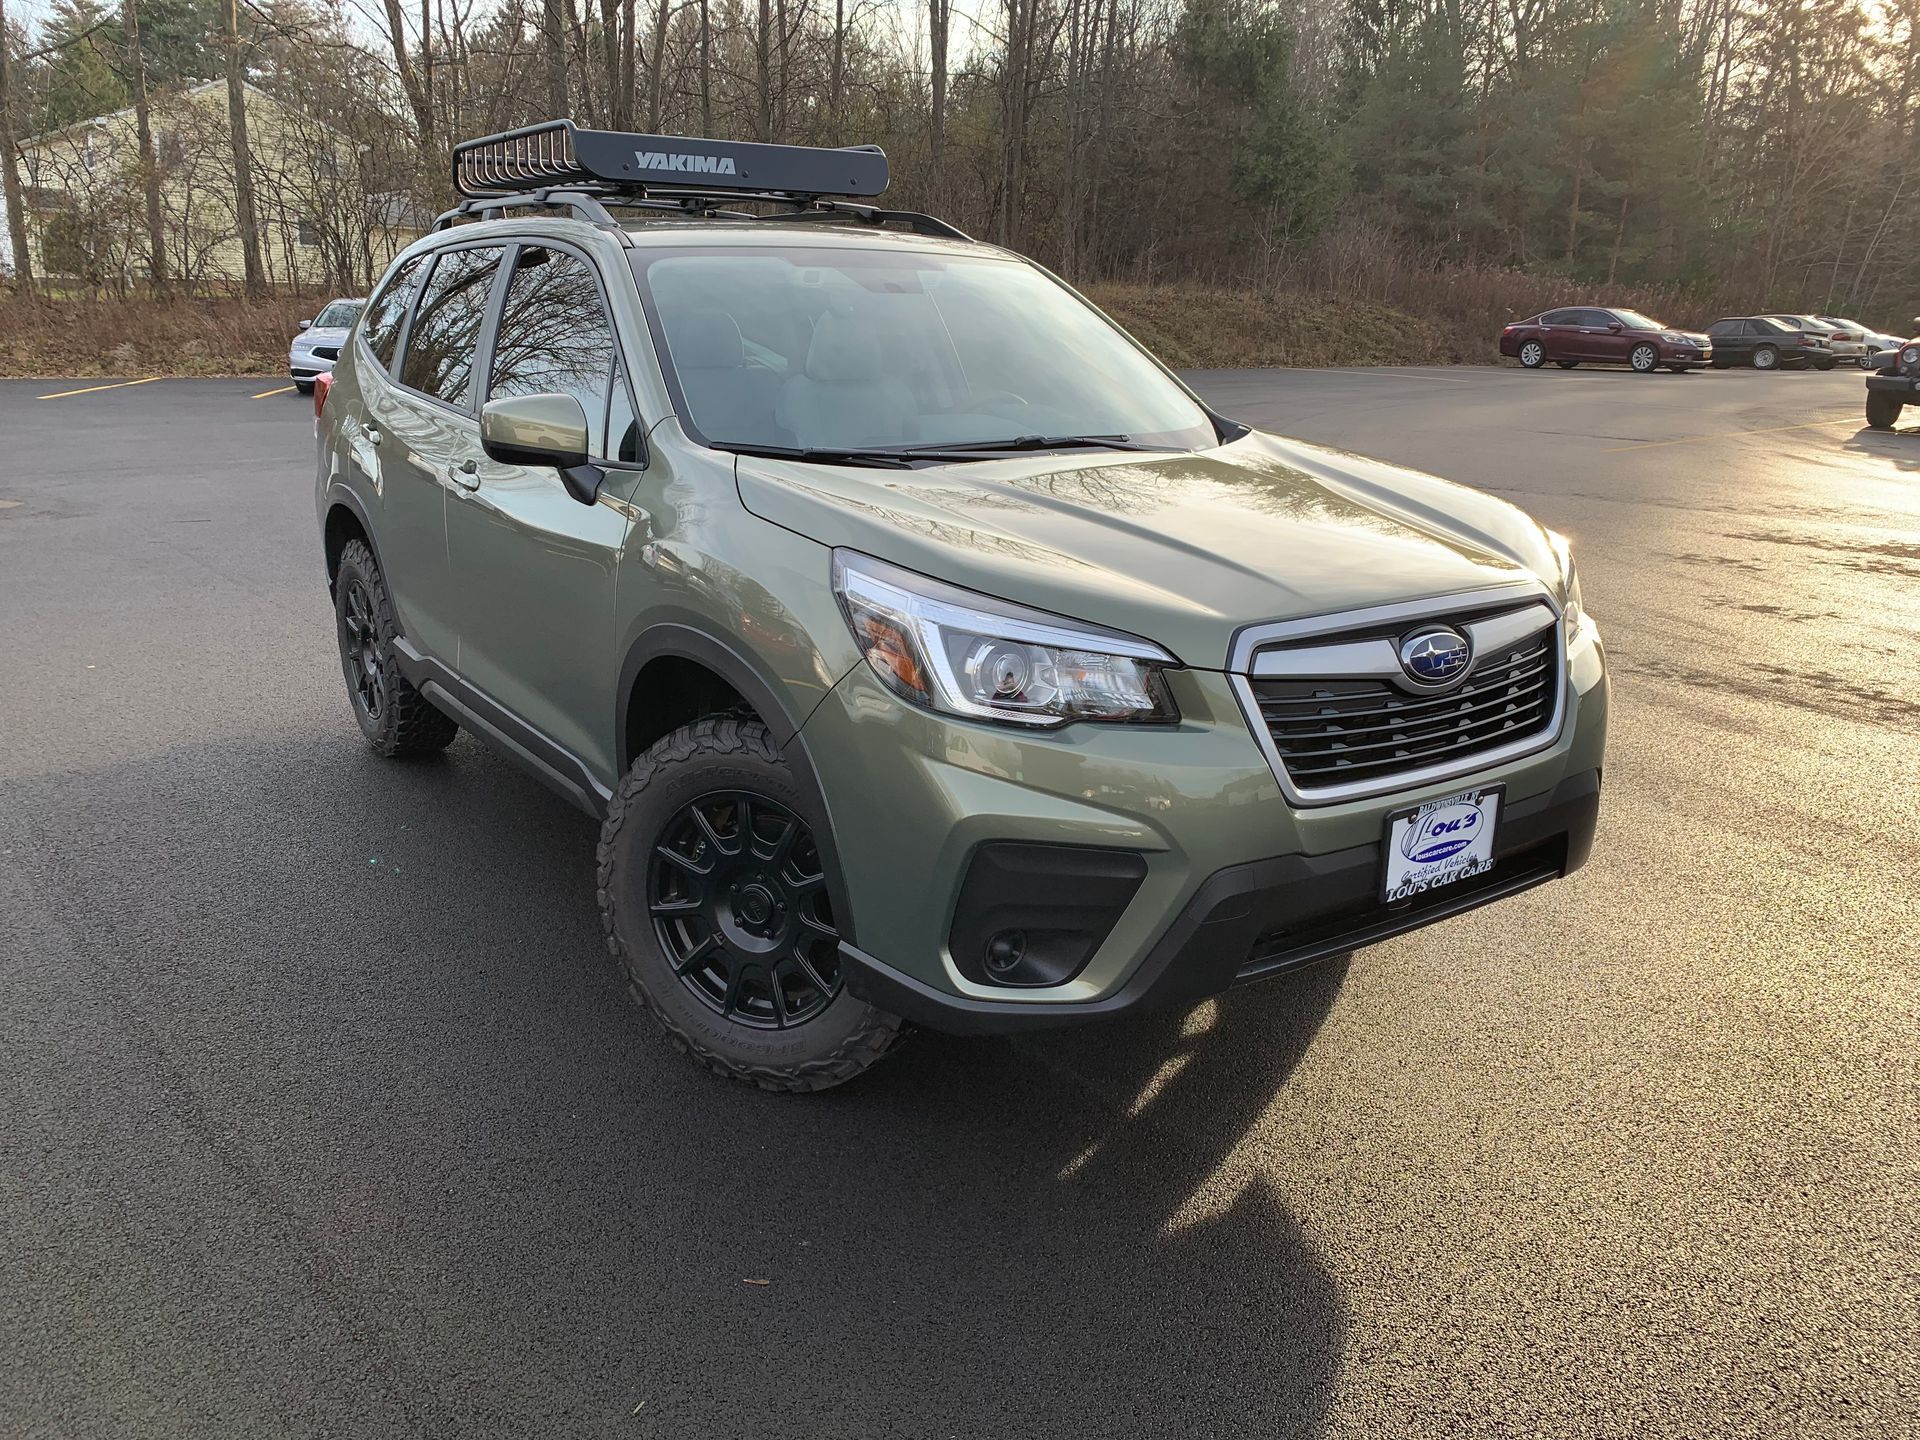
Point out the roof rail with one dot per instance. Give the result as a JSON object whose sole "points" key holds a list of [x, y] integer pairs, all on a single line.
{"points": [[590, 172]]}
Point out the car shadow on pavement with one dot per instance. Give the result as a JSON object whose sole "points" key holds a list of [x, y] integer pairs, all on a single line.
{"points": [[383, 987], [1901, 446]]}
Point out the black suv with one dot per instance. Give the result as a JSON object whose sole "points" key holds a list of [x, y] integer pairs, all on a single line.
{"points": [[1765, 344]]}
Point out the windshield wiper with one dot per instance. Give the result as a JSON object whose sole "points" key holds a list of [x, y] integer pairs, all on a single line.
{"points": [[882, 459], [1031, 442]]}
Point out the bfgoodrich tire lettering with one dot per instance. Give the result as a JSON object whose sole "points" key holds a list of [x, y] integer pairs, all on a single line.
{"points": [[396, 718], [719, 757]]}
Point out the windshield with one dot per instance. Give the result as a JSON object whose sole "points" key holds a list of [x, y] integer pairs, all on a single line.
{"points": [[856, 349], [1634, 320], [339, 315]]}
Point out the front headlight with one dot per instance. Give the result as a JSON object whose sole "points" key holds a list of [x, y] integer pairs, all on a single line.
{"points": [[1573, 607], [1910, 357], [1672, 338], [961, 653]]}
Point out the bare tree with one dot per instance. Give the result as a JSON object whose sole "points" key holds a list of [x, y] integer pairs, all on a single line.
{"points": [[10, 169], [243, 208], [143, 130]]}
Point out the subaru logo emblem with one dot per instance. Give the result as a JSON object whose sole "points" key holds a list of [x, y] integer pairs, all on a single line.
{"points": [[1434, 656]]}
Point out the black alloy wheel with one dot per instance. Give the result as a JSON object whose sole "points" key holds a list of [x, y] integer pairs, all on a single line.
{"points": [[738, 898], [360, 650]]}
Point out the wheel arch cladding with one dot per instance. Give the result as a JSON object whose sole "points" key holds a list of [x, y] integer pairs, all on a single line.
{"points": [[346, 522], [691, 673]]}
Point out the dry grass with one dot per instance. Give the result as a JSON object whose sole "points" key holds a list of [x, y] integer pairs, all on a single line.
{"points": [[1193, 327], [86, 338]]}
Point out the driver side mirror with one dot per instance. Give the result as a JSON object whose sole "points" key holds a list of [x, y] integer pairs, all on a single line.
{"points": [[306, 324], [539, 430], [1615, 327]]}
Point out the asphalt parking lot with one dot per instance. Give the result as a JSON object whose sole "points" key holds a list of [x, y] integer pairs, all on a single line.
{"points": [[321, 1111]]}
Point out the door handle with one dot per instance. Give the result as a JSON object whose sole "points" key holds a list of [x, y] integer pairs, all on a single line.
{"points": [[466, 474], [373, 434]]}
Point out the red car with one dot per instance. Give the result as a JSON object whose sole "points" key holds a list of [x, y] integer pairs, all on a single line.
{"points": [[1603, 337]]}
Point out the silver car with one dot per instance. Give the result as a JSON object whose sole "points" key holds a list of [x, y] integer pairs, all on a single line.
{"points": [[1876, 342], [318, 344]]}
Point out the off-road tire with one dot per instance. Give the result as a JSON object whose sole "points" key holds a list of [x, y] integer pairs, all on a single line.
{"points": [[1883, 410], [1644, 358], [1533, 354], [1766, 357], [720, 753], [406, 722]]}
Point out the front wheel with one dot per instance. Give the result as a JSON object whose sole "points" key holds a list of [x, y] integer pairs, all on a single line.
{"points": [[1533, 354], [1645, 359], [1883, 410], [715, 901], [1766, 358]]}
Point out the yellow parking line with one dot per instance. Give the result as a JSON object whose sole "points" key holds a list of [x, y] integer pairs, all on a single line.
{"points": [[1725, 435], [265, 393], [90, 389]]}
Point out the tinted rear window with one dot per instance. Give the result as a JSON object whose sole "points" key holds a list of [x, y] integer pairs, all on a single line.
{"points": [[439, 359], [389, 308]]}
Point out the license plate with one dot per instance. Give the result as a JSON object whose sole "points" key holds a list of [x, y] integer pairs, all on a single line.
{"points": [[1440, 843]]}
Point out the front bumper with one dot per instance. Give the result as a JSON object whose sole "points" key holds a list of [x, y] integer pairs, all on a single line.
{"points": [[1255, 921], [1686, 354], [1907, 387], [1237, 882]]}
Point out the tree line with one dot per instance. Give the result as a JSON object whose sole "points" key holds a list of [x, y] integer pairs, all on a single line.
{"points": [[1711, 153]]}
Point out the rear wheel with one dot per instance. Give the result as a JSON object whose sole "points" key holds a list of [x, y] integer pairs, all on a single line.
{"points": [[1883, 410], [396, 718], [1533, 354], [714, 899], [1766, 358], [1644, 358]]}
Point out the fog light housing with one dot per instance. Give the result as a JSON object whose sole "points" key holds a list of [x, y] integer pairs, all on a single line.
{"points": [[1033, 915]]}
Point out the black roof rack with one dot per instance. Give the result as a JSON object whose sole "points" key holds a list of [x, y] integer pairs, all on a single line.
{"points": [[589, 172]]}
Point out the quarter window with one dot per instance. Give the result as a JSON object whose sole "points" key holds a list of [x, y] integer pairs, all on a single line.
{"points": [[555, 339], [439, 358], [389, 308]]}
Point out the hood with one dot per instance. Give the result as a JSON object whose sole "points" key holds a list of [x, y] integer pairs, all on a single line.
{"points": [[315, 336], [1182, 550]]}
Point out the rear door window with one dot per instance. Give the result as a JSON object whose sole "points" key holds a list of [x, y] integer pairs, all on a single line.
{"points": [[555, 339], [389, 308], [1560, 317], [446, 326]]}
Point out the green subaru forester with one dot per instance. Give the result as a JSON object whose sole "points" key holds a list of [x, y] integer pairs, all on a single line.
{"points": [[928, 652]]}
